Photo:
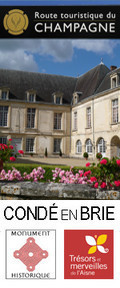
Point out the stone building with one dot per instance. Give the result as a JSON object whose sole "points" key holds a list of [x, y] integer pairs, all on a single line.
{"points": [[75, 115]]}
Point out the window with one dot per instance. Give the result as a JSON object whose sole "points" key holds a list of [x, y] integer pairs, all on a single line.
{"points": [[114, 82], [57, 120], [88, 146], [31, 97], [114, 79], [89, 117], [4, 95], [3, 115], [57, 97], [30, 145], [115, 111], [57, 144], [78, 147], [75, 100], [75, 120], [30, 118], [76, 97], [58, 100], [101, 146], [3, 140]]}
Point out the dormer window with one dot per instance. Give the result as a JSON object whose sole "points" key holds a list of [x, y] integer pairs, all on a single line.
{"points": [[114, 80], [76, 97], [4, 93], [76, 100], [31, 95], [58, 98]]}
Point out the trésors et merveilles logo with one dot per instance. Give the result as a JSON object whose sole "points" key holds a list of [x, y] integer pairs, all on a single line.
{"points": [[16, 22], [96, 243], [88, 254]]}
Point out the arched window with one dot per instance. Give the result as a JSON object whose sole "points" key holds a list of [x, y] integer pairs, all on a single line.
{"points": [[88, 146], [101, 146], [78, 147]]}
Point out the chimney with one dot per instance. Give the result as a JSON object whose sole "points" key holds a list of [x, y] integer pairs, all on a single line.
{"points": [[113, 67]]}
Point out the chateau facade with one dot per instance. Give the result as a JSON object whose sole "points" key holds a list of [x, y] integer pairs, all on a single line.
{"points": [[40, 111]]}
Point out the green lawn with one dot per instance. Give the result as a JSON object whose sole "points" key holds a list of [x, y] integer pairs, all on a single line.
{"points": [[29, 167]]}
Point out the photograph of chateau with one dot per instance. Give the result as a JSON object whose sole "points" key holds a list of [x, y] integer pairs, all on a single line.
{"points": [[75, 115]]}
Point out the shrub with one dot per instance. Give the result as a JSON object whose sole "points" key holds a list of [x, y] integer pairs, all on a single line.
{"points": [[46, 153], [60, 153], [98, 156], [7, 153], [85, 155]]}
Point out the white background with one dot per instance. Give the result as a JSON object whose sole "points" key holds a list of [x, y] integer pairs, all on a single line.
{"points": [[60, 226], [14, 243]]}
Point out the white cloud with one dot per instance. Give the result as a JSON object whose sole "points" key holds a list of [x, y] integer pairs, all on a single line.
{"points": [[60, 50], [98, 46], [20, 54], [18, 60]]}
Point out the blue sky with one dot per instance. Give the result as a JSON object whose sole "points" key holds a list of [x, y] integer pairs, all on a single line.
{"points": [[71, 57], [58, 2]]}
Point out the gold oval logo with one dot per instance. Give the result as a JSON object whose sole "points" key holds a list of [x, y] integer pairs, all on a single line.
{"points": [[15, 22]]}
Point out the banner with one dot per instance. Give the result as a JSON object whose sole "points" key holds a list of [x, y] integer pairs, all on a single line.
{"points": [[60, 22], [60, 143]]}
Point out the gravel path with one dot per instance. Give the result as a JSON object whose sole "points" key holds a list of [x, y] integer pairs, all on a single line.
{"points": [[54, 161]]}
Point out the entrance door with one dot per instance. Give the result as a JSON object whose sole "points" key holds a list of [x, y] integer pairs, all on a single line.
{"points": [[101, 147], [17, 144]]}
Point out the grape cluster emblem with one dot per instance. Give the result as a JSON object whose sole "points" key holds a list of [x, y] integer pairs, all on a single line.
{"points": [[16, 22]]}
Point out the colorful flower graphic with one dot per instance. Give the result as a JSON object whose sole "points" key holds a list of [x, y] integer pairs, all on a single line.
{"points": [[96, 243]]}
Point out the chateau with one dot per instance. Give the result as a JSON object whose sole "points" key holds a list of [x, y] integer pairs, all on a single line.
{"points": [[40, 111]]}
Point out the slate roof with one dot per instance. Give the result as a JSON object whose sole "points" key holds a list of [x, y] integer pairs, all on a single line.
{"points": [[19, 82], [89, 82], [106, 83], [45, 85]]}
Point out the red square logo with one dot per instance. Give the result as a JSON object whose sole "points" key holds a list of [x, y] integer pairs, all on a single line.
{"points": [[88, 254]]}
